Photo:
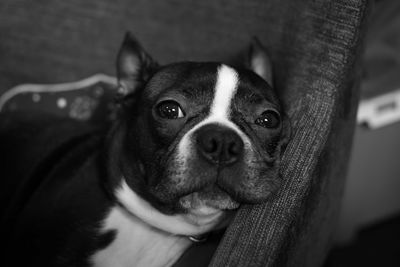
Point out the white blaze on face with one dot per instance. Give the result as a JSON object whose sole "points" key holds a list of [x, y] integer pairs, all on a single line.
{"points": [[225, 90]]}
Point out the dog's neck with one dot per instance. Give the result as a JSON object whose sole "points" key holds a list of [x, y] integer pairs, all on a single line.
{"points": [[138, 243]]}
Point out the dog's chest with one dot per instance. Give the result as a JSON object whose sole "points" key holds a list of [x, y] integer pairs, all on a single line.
{"points": [[137, 244]]}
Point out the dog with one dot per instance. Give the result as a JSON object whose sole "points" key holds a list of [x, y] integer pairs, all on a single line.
{"points": [[191, 142]]}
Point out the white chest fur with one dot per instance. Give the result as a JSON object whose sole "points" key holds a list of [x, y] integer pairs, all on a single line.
{"points": [[137, 243]]}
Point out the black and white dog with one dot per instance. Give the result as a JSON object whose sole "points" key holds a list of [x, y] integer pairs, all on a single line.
{"points": [[192, 141]]}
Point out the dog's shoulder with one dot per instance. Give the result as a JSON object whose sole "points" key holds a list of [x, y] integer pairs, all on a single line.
{"points": [[50, 165]]}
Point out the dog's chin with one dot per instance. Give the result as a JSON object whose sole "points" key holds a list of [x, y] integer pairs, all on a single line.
{"points": [[207, 201]]}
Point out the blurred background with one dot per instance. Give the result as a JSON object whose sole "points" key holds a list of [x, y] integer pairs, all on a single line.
{"points": [[368, 233]]}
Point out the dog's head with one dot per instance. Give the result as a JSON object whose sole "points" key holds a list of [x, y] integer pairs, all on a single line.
{"points": [[199, 138]]}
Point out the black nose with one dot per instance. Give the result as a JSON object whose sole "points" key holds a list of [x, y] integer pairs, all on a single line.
{"points": [[219, 145]]}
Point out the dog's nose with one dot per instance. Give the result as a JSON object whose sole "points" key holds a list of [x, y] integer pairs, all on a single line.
{"points": [[219, 144]]}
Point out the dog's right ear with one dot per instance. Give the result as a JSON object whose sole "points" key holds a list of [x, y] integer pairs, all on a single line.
{"points": [[134, 65]]}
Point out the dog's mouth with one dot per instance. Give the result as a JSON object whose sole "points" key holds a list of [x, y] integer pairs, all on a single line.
{"points": [[208, 199]]}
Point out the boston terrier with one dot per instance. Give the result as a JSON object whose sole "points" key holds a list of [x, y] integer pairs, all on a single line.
{"points": [[191, 142]]}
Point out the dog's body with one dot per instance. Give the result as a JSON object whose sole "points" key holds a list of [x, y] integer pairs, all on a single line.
{"points": [[192, 142]]}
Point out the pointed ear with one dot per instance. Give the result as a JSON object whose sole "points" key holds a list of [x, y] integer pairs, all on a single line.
{"points": [[259, 61], [134, 65]]}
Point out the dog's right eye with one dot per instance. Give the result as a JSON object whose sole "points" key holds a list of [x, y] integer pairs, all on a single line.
{"points": [[170, 110]]}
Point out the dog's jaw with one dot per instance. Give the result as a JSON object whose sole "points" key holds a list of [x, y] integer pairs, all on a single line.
{"points": [[195, 222]]}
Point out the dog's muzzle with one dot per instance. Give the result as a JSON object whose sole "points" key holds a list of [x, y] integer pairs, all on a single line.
{"points": [[219, 145]]}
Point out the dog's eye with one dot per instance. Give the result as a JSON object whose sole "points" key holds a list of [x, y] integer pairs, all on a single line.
{"points": [[170, 110], [269, 119]]}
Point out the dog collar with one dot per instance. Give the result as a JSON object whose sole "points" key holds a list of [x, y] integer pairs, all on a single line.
{"points": [[198, 238]]}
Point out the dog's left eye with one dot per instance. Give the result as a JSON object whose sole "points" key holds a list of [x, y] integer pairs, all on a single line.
{"points": [[170, 110], [269, 119]]}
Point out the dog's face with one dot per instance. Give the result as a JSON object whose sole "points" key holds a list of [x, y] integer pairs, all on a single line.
{"points": [[200, 137]]}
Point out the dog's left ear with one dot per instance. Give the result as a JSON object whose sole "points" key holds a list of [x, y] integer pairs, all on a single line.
{"points": [[259, 61], [134, 65]]}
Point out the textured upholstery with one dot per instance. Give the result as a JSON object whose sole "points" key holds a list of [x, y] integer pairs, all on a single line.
{"points": [[315, 47]]}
